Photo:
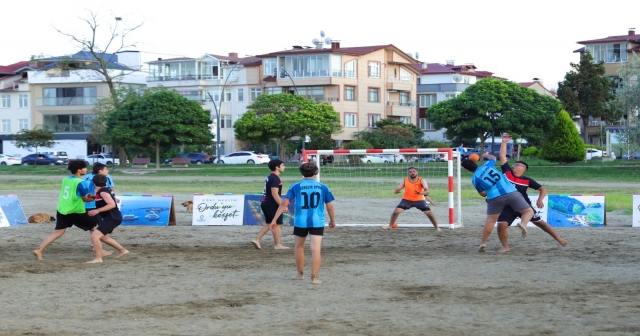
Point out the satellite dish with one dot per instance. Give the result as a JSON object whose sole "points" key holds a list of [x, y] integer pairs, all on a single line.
{"points": [[315, 41], [412, 103], [322, 33], [457, 78], [417, 56], [327, 40]]}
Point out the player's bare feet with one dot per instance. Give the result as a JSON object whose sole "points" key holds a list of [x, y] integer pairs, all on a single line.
{"points": [[106, 253], [562, 242], [482, 248], [438, 229], [386, 227], [94, 261], [315, 281], [524, 230], [281, 247], [299, 276], [256, 244], [37, 254], [122, 254], [506, 249]]}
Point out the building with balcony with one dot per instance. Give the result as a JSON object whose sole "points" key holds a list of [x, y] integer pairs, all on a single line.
{"points": [[438, 82], [613, 51], [364, 84], [15, 97]]}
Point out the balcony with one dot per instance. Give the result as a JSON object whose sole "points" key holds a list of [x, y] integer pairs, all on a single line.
{"points": [[398, 84], [67, 101], [189, 77], [394, 109]]}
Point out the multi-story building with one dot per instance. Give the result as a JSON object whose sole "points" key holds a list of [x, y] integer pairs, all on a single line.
{"points": [[15, 99], [364, 84], [613, 51], [538, 86], [438, 82]]}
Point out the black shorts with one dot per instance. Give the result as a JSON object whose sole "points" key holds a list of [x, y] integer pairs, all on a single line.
{"points": [[420, 205], [107, 224], [508, 215], [81, 220], [303, 232], [269, 210], [97, 218]]}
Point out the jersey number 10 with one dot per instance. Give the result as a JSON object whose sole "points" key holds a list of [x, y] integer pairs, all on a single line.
{"points": [[310, 201]]}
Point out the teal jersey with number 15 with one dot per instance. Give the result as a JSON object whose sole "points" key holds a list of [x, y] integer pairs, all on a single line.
{"points": [[70, 200], [488, 178], [310, 197]]}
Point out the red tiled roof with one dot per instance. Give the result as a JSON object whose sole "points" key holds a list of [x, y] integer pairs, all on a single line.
{"points": [[581, 50], [9, 89], [11, 68], [618, 38], [437, 68], [269, 79], [529, 84]]}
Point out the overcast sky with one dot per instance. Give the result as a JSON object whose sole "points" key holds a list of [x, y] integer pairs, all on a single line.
{"points": [[517, 40]]}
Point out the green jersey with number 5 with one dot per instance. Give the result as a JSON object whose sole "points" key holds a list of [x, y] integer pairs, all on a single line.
{"points": [[70, 201]]}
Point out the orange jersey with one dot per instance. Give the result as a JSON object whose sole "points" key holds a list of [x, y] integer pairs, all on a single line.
{"points": [[410, 187]]}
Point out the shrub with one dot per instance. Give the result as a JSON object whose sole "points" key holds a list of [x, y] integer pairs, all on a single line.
{"points": [[530, 151], [437, 144], [563, 144]]}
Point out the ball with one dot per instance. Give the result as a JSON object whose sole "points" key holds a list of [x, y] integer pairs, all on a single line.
{"points": [[474, 157], [394, 225]]}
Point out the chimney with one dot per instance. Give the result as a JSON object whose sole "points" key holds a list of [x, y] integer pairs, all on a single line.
{"points": [[538, 80], [450, 62], [159, 58], [335, 45], [424, 66], [632, 31], [233, 55]]}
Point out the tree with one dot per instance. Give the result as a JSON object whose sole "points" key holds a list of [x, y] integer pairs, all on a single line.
{"points": [[627, 101], [563, 144], [34, 138], [585, 93], [159, 119], [391, 133], [282, 116]]}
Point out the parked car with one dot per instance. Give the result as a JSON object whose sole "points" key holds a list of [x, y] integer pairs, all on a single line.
{"points": [[375, 158], [244, 157], [495, 151], [42, 159], [394, 157], [432, 158], [593, 152], [196, 158], [632, 156], [102, 158], [6, 160], [61, 154]]}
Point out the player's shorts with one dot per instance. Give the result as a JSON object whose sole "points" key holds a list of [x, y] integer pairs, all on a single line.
{"points": [[420, 205], [269, 210], [97, 218], [303, 232], [508, 215], [513, 199], [107, 225], [81, 220]]}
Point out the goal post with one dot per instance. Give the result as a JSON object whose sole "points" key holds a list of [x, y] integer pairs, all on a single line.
{"points": [[364, 180]]}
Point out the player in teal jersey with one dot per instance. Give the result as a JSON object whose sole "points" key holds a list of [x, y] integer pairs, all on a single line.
{"points": [[310, 197], [102, 169], [71, 209]]}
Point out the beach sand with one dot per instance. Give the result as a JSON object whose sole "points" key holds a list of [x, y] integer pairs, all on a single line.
{"points": [[185, 280]]}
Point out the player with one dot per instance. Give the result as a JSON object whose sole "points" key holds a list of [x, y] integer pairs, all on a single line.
{"points": [[493, 185], [515, 175], [71, 209], [271, 200], [310, 197], [415, 191], [98, 168], [110, 218]]}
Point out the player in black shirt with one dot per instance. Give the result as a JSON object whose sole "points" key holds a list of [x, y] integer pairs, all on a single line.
{"points": [[271, 200]]}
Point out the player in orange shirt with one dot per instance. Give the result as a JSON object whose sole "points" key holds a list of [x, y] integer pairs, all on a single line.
{"points": [[415, 191]]}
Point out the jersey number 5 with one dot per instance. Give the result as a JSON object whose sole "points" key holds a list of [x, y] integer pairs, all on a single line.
{"points": [[65, 192], [310, 201]]}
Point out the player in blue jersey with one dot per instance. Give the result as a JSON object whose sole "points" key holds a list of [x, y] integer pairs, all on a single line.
{"points": [[102, 169], [310, 198], [493, 185]]}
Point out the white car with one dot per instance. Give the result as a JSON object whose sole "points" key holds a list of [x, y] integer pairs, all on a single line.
{"points": [[102, 158], [394, 157], [6, 160], [375, 158], [592, 152], [244, 157]]}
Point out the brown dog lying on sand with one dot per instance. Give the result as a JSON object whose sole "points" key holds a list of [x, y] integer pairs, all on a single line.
{"points": [[41, 218], [188, 205]]}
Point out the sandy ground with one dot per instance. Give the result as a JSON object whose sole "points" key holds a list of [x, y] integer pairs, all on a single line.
{"points": [[184, 280]]}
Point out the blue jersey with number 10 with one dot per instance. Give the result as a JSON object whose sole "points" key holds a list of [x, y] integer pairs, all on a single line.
{"points": [[310, 197], [488, 178]]}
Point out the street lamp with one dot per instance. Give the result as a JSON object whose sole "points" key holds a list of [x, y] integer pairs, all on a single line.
{"points": [[218, 110], [286, 74], [493, 130]]}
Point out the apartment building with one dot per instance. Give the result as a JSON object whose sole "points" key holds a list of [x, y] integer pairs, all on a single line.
{"points": [[15, 107], [438, 82]]}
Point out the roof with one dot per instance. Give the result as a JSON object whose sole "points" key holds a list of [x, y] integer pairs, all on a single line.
{"points": [[529, 84], [13, 68], [438, 68], [356, 51], [618, 38], [84, 55]]}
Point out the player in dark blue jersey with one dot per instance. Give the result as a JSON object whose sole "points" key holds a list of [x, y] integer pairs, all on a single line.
{"points": [[310, 197], [271, 200]]}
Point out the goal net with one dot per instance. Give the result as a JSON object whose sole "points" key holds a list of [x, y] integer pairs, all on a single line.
{"points": [[363, 182]]}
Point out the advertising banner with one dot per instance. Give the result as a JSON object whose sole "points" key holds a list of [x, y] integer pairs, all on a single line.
{"points": [[11, 213], [146, 210], [223, 209], [636, 210]]}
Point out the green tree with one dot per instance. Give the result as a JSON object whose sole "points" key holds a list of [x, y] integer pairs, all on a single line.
{"points": [[627, 102], [391, 133], [563, 145], [585, 93], [283, 116], [34, 138], [158, 120], [354, 160]]}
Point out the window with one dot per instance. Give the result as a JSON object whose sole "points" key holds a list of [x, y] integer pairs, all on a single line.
{"points": [[405, 75], [225, 121], [255, 93], [374, 69], [349, 93], [24, 100], [608, 53], [349, 120], [213, 93], [270, 66], [227, 95], [311, 66], [450, 95], [6, 125], [272, 90], [69, 96], [427, 100], [350, 69], [426, 125], [24, 124], [6, 101], [373, 119], [240, 95], [405, 120], [404, 98], [68, 122], [374, 95]]}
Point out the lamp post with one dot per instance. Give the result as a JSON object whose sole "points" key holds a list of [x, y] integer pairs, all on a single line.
{"points": [[286, 74], [218, 110], [493, 130]]}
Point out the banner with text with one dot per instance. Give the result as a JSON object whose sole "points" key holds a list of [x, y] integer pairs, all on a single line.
{"points": [[636, 210], [212, 209]]}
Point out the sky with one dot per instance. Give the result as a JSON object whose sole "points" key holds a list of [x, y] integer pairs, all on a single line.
{"points": [[516, 40]]}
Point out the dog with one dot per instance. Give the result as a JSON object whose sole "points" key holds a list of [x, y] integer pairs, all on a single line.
{"points": [[188, 205], [41, 218]]}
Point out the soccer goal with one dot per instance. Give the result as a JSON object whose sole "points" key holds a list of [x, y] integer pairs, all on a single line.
{"points": [[364, 180]]}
